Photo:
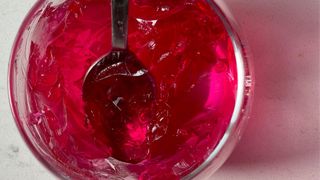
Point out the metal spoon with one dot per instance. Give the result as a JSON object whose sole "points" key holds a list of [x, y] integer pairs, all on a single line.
{"points": [[114, 89]]}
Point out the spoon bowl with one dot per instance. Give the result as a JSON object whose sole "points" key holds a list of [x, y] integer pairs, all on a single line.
{"points": [[120, 90]]}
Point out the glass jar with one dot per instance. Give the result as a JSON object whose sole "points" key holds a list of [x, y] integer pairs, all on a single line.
{"points": [[203, 86]]}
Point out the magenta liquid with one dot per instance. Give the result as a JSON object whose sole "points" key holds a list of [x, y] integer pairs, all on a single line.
{"points": [[160, 118]]}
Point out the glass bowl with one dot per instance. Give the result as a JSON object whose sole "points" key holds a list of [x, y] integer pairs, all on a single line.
{"points": [[185, 127]]}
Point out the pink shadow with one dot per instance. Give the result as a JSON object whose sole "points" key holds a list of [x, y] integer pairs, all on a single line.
{"points": [[284, 127]]}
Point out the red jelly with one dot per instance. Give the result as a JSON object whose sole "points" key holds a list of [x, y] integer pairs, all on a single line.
{"points": [[157, 118]]}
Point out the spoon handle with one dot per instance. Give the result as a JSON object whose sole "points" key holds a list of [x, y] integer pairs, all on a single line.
{"points": [[119, 18]]}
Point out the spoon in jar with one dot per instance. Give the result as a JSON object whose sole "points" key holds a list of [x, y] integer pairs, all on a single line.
{"points": [[117, 91]]}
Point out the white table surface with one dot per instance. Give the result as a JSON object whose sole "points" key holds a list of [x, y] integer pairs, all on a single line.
{"points": [[282, 139]]}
